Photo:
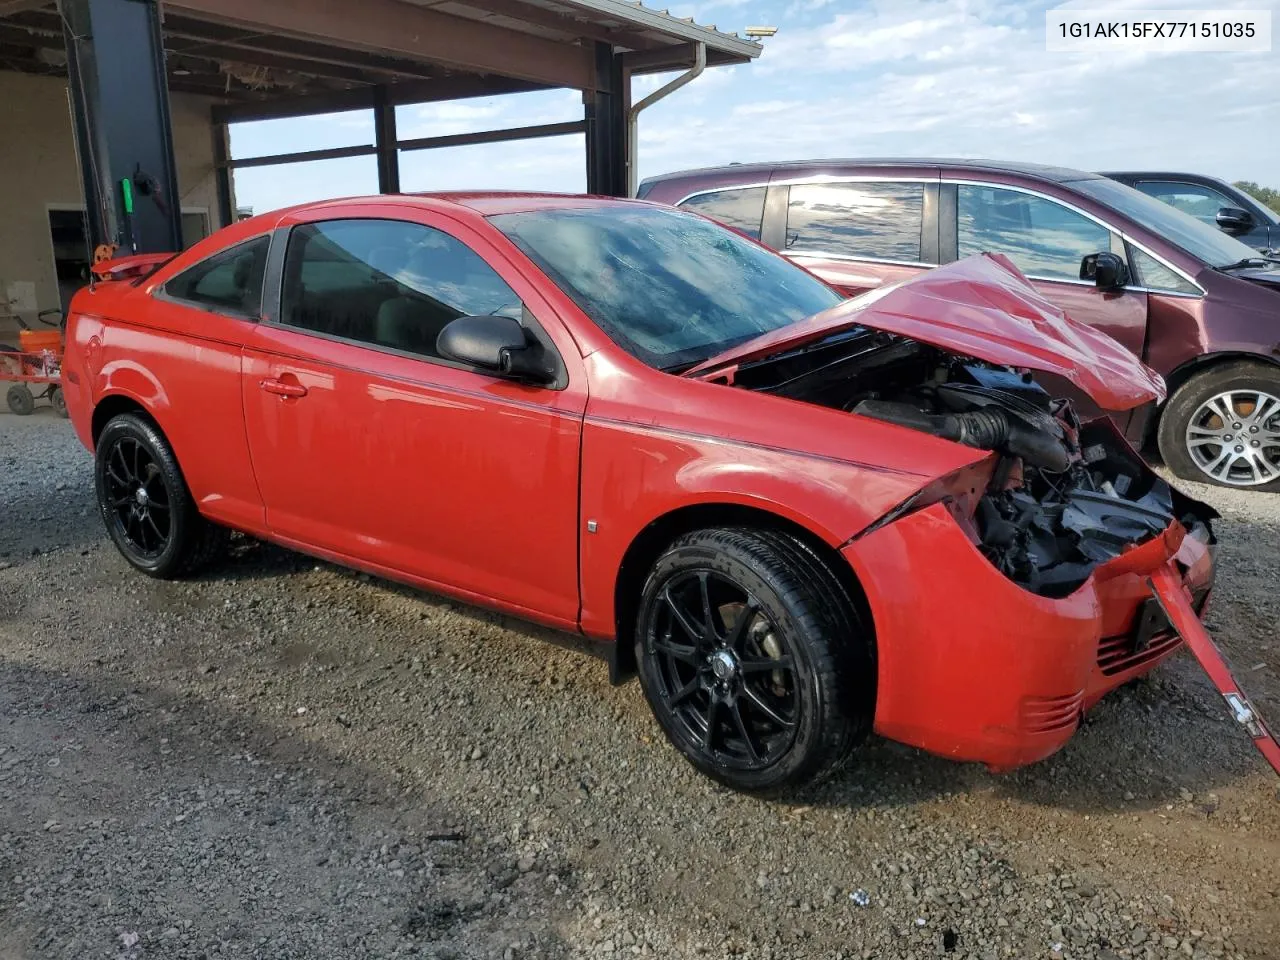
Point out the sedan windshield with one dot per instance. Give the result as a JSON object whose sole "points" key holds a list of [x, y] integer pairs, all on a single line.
{"points": [[670, 288], [1207, 244]]}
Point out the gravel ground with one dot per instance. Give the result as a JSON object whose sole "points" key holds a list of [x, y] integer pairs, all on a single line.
{"points": [[286, 759]]}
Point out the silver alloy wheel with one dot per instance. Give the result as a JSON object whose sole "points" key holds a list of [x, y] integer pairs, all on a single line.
{"points": [[1234, 437]]}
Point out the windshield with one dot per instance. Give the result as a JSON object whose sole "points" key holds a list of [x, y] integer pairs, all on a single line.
{"points": [[1207, 244], [670, 288]]}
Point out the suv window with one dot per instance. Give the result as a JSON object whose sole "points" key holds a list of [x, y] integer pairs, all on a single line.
{"points": [[386, 282], [742, 208], [230, 280], [1201, 202], [880, 221], [1043, 238]]}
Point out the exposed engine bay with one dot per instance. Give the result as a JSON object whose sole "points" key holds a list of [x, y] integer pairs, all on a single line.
{"points": [[1063, 496]]}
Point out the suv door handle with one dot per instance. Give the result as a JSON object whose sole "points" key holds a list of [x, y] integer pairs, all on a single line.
{"points": [[283, 388]]}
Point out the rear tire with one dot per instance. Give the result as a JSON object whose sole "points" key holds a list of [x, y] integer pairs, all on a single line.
{"points": [[753, 659], [145, 503], [20, 399], [1223, 427]]}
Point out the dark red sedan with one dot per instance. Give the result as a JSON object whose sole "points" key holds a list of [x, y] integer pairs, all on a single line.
{"points": [[799, 519]]}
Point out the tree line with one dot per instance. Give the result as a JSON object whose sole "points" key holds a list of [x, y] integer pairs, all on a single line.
{"points": [[1264, 195]]}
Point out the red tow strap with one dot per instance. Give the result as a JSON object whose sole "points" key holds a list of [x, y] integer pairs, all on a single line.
{"points": [[1166, 586]]}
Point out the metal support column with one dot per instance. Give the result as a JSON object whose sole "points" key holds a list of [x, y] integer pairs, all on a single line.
{"points": [[222, 173], [384, 132], [606, 116], [124, 138]]}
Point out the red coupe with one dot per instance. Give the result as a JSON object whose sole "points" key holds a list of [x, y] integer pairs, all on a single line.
{"points": [[798, 518]]}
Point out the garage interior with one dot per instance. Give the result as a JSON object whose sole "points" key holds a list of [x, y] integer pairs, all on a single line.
{"points": [[118, 110]]}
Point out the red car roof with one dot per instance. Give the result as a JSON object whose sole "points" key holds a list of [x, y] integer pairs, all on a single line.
{"points": [[496, 202], [485, 203]]}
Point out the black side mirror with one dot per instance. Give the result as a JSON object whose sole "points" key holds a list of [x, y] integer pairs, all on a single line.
{"points": [[1106, 270], [497, 344], [1234, 220]]}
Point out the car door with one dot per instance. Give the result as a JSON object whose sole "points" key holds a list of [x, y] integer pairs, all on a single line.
{"points": [[858, 234], [1046, 239], [370, 447]]}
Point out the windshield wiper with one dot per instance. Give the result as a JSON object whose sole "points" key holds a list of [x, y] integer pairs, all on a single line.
{"points": [[1247, 262], [681, 367]]}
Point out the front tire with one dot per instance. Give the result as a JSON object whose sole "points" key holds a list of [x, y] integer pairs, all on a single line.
{"points": [[1223, 427], [752, 658], [145, 503]]}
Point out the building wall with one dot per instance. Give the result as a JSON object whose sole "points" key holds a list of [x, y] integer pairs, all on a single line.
{"points": [[38, 171]]}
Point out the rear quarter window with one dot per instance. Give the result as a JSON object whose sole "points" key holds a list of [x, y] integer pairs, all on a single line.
{"points": [[229, 281], [740, 208]]}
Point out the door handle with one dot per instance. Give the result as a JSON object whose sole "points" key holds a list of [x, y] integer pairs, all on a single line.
{"points": [[283, 388]]}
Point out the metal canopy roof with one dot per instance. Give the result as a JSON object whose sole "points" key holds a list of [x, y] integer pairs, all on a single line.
{"points": [[627, 25], [282, 57]]}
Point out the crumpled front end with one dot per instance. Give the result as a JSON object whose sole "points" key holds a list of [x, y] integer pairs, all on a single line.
{"points": [[973, 665], [1010, 594]]}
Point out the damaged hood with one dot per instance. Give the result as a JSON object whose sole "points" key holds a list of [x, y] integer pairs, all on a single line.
{"points": [[980, 307]]}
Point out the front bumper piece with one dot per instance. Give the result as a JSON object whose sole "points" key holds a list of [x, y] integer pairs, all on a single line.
{"points": [[973, 667]]}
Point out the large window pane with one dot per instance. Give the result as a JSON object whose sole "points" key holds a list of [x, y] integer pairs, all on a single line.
{"points": [[741, 209], [1043, 238], [878, 221], [275, 186]]}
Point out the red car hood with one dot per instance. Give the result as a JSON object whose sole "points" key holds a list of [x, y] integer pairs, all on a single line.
{"points": [[980, 307]]}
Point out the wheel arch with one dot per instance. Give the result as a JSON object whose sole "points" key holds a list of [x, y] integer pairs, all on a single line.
{"points": [[1181, 375], [658, 534], [1197, 365], [112, 405]]}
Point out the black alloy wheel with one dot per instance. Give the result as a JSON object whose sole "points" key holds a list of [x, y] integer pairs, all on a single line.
{"points": [[725, 673], [138, 498], [146, 506], [750, 655]]}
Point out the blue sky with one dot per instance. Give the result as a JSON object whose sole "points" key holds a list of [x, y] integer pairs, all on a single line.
{"points": [[966, 78]]}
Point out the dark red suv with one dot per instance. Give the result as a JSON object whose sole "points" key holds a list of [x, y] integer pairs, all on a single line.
{"points": [[1200, 307]]}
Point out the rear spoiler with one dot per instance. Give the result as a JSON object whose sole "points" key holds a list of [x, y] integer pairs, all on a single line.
{"points": [[133, 267]]}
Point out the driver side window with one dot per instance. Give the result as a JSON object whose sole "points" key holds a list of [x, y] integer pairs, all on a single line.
{"points": [[1044, 239], [389, 283]]}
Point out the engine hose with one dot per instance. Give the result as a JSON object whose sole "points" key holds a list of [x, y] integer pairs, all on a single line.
{"points": [[988, 429]]}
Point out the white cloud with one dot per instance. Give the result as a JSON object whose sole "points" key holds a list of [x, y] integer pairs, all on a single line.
{"points": [[556, 163], [488, 113], [456, 111], [921, 78], [766, 108]]}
